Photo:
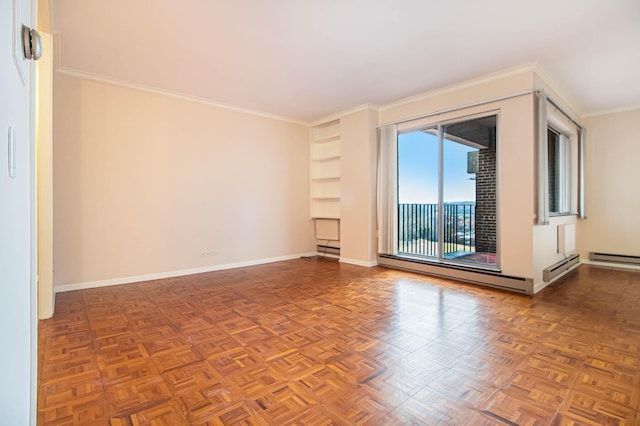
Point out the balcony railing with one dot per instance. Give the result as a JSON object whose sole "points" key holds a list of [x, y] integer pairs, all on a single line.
{"points": [[418, 229]]}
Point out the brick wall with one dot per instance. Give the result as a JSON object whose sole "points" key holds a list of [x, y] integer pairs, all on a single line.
{"points": [[485, 227]]}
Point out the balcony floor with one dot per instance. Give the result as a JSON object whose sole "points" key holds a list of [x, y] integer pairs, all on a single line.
{"points": [[472, 256]]}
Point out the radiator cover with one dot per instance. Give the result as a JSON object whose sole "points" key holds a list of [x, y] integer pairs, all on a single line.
{"points": [[615, 258], [558, 268]]}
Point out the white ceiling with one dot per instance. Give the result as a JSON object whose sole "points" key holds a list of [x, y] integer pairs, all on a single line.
{"points": [[305, 59]]}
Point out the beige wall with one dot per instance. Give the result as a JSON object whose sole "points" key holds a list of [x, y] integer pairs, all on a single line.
{"points": [[515, 155], [545, 237], [44, 158], [146, 183], [612, 177], [479, 90], [358, 243]]}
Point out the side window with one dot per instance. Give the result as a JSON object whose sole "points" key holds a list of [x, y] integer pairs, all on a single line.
{"points": [[559, 163]]}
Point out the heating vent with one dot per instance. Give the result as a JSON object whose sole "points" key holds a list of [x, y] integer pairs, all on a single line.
{"points": [[616, 258], [564, 265], [326, 249]]}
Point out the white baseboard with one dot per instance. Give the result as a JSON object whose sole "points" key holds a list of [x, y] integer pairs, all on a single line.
{"points": [[359, 262], [171, 274]]}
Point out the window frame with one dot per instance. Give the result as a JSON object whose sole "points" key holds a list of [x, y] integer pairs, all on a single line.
{"points": [[438, 123], [569, 160]]}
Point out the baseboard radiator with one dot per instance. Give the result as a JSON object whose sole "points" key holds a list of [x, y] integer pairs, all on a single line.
{"points": [[558, 268], [327, 249], [457, 272], [614, 258]]}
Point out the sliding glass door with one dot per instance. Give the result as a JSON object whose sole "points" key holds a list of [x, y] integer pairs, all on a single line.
{"points": [[447, 192], [418, 192]]}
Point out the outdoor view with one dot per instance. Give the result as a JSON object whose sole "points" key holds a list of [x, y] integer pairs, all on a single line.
{"points": [[468, 201]]}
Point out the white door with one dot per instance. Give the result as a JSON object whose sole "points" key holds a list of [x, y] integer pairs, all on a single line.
{"points": [[17, 318]]}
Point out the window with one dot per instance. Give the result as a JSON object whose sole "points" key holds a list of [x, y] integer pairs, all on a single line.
{"points": [[560, 158], [559, 164], [447, 191]]}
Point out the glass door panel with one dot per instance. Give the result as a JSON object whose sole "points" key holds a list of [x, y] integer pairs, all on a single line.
{"points": [[447, 192], [418, 192], [469, 204]]}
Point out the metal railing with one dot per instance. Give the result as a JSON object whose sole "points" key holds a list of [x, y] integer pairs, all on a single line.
{"points": [[418, 228]]}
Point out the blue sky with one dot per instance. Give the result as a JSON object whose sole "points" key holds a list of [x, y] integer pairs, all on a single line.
{"points": [[418, 170]]}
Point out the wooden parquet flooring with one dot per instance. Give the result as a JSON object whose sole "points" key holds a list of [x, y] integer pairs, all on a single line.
{"points": [[322, 343]]}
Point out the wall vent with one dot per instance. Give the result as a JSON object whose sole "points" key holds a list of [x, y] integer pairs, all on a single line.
{"points": [[615, 258], [558, 268], [324, 249]]}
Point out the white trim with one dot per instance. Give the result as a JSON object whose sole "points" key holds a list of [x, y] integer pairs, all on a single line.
{"points": [[135, 86], [359, 262], [338, 115], [610, 264], [459, 86], [171, 274], [610, 111]]}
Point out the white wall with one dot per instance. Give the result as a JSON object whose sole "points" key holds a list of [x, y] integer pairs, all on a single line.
{"points": [[545, 237], [612, 179], [145, 183], [545, 243], [17, 209]]}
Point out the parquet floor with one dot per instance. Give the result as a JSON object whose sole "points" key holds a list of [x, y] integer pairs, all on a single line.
{"points": [[321, 343]]}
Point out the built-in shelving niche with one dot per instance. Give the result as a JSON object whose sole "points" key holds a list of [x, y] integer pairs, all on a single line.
{"points": [[325, 185]]}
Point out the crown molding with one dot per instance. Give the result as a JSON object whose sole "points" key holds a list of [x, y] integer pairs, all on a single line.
{"points": [[150, 89], [610, 111], [349, 111], [528, 67]]}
